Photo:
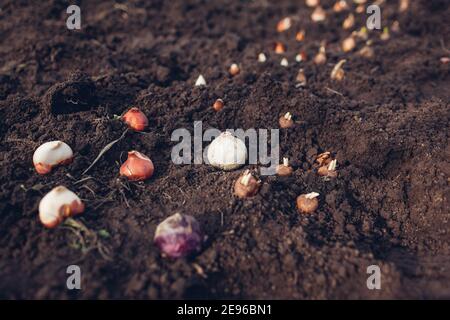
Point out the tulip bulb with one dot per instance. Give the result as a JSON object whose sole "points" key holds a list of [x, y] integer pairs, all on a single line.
{"points": [[321, 56], [349, 22], [178, 236], [284, 24], [318, 15], [348, 44], [280, 48], [60, 203], [312, 3], [234, 69], [135, 119], [137, 167], [227, 152], [51, 154], [218, 105]]}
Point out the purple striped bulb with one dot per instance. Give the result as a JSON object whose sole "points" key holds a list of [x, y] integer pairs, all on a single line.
{"points": [[178, 236]]}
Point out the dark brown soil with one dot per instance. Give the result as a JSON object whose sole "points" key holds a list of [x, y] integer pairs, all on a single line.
{"points": [[387, 123]]}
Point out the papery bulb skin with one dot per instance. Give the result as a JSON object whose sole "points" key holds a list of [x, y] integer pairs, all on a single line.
{"points": [[178, 236], [137, 167], [308, 203], [246, 186], [135, 119]]}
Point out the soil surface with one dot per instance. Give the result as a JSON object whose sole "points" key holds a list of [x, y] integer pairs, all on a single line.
{"points": [[386, 122]]}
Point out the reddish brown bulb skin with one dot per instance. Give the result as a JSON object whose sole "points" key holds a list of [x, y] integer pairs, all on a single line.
{"points": [[136, 168], [135, 119], [218, 105], [324, 159], [43, 168], [305, 205], [234, 70], [246, 191], [66, 211], [284, 171], [280, 48], [285, 123]]}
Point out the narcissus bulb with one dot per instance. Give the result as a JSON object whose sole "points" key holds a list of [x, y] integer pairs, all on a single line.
{"points": [[137, 167], [284, 169], [178, 236], [227, 152], [308, 203], [246, 185], [328, 170], [286, 121], [60, 203], [51, 154]]}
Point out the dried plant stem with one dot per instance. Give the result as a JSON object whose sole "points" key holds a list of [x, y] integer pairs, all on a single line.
{"points": [[104, 150]]}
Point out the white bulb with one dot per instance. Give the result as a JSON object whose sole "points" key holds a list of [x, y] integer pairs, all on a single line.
{"points": [[58, 204], [262, 57], [284, 62], [200, 81], [312, 3], [227, 152], [318, 15], [51, 154]]}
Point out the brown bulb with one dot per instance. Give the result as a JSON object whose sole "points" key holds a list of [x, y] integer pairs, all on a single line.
{"points": [[284, 169], [286, 121], [138, 167], [246, 185], [280, 48], [135, 119], [218, 105], [307, 203]]}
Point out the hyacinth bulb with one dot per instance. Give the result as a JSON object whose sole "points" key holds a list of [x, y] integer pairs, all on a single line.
{"points": [[178, 236]]}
